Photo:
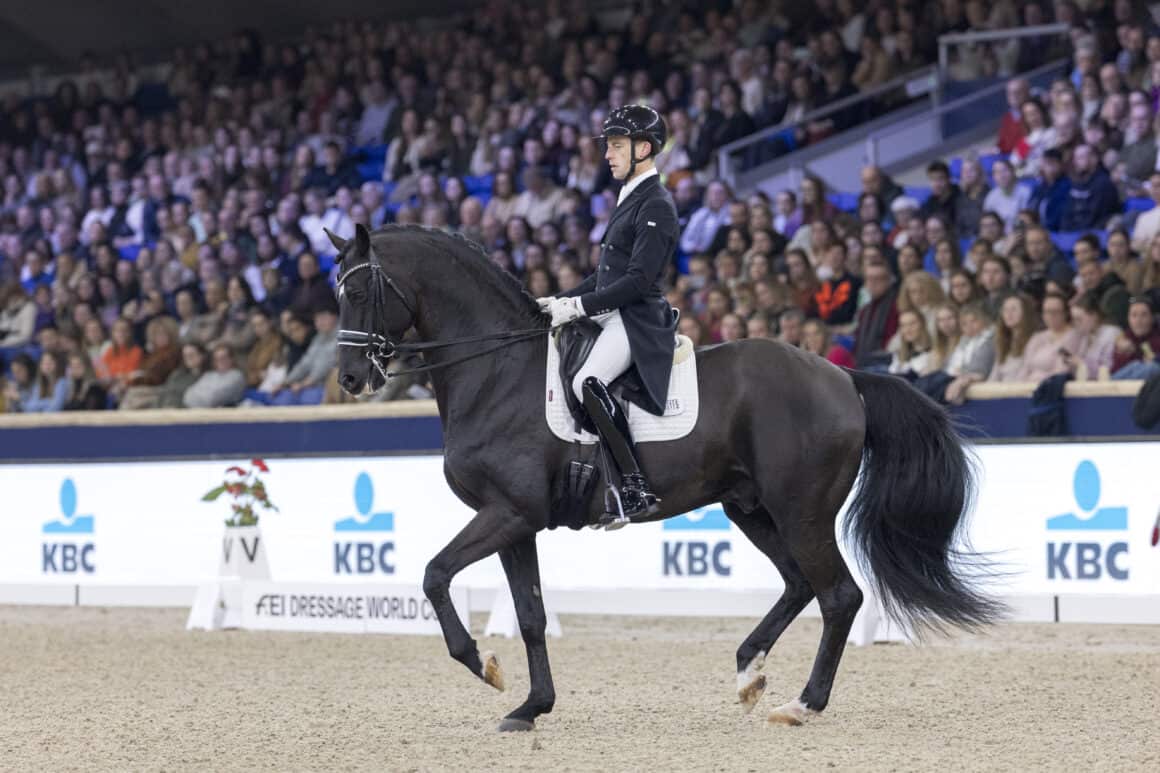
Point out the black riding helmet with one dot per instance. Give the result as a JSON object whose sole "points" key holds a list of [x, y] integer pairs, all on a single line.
{"points": [[636, 122]]}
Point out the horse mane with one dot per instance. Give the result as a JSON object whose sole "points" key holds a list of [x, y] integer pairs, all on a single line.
{"points": [[472, 256]]}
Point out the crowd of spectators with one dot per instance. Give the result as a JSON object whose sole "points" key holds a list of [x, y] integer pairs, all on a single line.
{"points": [[163, 244]]}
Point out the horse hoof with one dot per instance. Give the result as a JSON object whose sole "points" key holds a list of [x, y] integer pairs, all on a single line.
{"points": [[492, 673], [793, 714], [510, 725], [751, 693]]}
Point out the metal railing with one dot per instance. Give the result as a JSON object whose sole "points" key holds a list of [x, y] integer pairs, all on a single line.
{"points": [[963, 105], [743, 155], [991, 36], [913, 85]]}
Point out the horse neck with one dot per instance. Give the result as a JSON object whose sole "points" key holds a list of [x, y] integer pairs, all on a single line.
{"points": [[462, 307]]}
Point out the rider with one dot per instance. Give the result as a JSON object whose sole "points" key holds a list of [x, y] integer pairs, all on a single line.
{"points": [[625, 297]]}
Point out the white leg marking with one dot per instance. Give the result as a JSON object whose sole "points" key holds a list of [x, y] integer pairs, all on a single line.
{"points": [[793, 713], [751, 684]]}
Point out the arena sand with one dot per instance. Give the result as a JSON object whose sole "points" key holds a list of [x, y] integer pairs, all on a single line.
{"points": [[129, 689]]}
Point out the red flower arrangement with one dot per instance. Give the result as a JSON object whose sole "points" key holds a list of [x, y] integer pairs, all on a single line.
{"points": [[247, 490]]}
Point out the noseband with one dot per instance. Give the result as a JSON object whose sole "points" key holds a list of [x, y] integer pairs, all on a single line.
{"points": [[379, 348]]}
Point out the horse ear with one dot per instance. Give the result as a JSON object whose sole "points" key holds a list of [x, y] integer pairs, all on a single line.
{"points": [[338, 242], [362, 239]]}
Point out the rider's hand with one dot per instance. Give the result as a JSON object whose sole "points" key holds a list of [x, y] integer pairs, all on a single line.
{"points": [[564, 310], [545, 303]]}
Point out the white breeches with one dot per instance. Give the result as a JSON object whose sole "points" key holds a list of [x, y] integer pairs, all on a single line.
{"points": [[610, 355]]}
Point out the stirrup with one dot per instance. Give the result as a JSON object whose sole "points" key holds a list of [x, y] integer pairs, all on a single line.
{"points": [[641, 501], [611, 521]]}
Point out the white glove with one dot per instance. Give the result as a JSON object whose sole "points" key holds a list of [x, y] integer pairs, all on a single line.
{"points": [[545, 303], [564, 310]]}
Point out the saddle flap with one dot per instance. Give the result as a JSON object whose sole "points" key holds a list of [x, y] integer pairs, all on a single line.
{"points": [[574, 342]]}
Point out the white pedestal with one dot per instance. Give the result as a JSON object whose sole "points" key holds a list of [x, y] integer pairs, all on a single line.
{"points": [[503, 622], [218, 605], [871, 625]]}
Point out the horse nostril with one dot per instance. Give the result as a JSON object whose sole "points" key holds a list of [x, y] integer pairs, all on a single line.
{"points": [[347, 382]]}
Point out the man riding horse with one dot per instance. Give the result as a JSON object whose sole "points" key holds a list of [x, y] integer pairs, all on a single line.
{"points": [[626, 299]]}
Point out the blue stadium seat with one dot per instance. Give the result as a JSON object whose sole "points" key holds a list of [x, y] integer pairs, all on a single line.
{"points": [[1065, 240], [129, 251], [846, 202], [370, 170], [1138, 204], [477, 185], [919, 194]]}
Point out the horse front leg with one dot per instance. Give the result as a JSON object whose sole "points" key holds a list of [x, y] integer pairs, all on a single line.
{"points": [[522, 567], [493, 528]]}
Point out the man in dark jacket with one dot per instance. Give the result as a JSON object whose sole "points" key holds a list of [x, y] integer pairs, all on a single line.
{"points": [[1052, 190], [879, 185], [878, 319], [1093, 197], [944, 195], [1107, 288], [625, 298]]}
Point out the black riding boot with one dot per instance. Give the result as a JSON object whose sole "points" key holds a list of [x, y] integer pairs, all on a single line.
{"points": [[612, 425]]}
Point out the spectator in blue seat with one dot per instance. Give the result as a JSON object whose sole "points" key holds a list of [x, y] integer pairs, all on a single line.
{"points": [[1123, 262], [18, 388], [704, 222], [370, 195], [377, 110], [1012, 332], [837, 297], [306, 380], [878, 318], [1043, 258], [972, 203], [1097, 339], [312, 291], [913, 357], [1136, 352], [1106, 287], [85, 392], [973, 357], [1093, 197], [50, 388], [17, 316], [878, 184], [1052, 190], [1139, 157], [1148, 223], [1006, 199], [218, 387], [333, 173], [944, 195], [183, 377]]}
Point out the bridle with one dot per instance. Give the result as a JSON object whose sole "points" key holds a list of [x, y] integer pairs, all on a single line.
{"points": [[380, 348]]}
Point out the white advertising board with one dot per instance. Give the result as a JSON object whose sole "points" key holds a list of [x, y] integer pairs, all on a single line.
{"points": [[1067, 518], [342, 608]]}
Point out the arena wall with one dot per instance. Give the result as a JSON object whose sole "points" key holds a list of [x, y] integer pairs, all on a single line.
{"points": [[1069, 523]]}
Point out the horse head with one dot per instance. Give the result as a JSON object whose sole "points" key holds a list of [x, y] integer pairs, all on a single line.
{"points": [[374, 312]]}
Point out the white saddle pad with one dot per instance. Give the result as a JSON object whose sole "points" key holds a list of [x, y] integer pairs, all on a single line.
{"points": [[680, 412]]}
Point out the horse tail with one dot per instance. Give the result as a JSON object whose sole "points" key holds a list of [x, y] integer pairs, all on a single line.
{"points": [[916, 488]]}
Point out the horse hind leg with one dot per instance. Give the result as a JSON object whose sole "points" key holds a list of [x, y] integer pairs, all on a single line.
{"points": [[811, 541], [759, 527]]}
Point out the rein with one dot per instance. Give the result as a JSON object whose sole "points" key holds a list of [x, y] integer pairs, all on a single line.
{"points": [[380, 349]]}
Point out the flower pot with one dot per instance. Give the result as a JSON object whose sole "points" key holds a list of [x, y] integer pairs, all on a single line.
{"points": [[243, 554]]}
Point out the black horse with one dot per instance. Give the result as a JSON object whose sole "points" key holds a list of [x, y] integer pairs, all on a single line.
{"points": [[779, 441]]}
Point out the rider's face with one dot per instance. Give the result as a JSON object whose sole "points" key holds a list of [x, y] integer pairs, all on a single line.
{"points": [[618, 155]]}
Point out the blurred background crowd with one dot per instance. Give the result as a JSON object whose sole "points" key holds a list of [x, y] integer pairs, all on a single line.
{"points": [[162, 241]]}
